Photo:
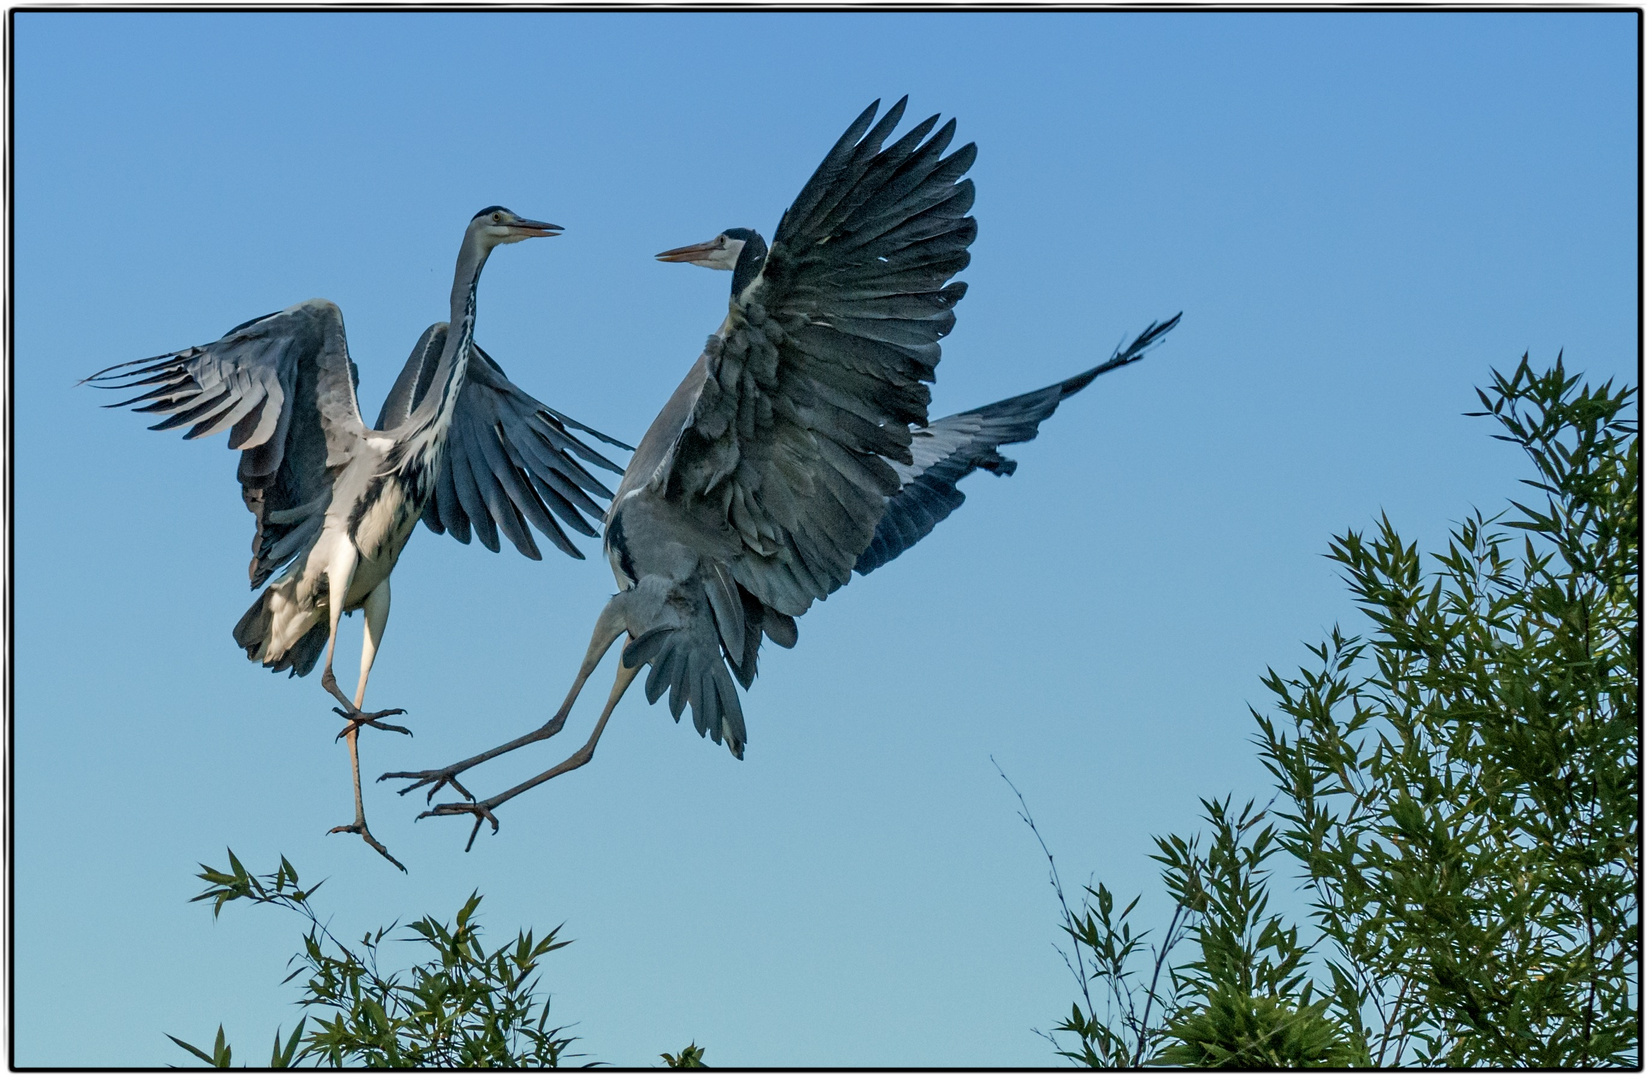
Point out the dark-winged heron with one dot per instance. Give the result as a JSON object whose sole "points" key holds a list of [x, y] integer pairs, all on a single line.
{"points": [[457, 443], [798, 448]]}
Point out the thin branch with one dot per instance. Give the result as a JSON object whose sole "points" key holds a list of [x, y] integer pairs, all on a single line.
{"points": [[1172, 938], [1055, 880]]}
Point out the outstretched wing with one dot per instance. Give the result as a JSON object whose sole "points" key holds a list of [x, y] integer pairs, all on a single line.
{"points": [[812, 381], [509, 459], [415, 378], [284, 388], [953, 447]]}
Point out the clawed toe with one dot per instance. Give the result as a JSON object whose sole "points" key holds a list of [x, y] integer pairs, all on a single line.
{"points": [[482, 811], [360, 829], [437, 778], [372, 719]]}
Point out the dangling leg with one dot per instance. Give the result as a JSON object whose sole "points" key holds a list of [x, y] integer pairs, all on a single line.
{"points": [[340, 569], [484, 810], [610, 625], [376, 611]]}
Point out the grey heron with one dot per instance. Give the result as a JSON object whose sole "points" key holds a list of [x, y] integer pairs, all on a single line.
{"points": [[456, 444], [798, 448]]}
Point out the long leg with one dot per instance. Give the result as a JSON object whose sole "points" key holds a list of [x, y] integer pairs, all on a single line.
{"points": [[484, 810], [376, 612], [610, 625], [340, 569]]}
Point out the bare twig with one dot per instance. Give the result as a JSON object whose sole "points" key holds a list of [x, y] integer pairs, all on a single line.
{"points": [[1061, 897]]}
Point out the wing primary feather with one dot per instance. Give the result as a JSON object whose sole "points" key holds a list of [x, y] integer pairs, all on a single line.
{"points": [[491, 486], [193, 413], [216, 422], [860, 157], [165, 372], [505, 476], [156, 363], [549, 474], [470, 499], [911, 180], [432, 517], [957, 445], [879, 171], [231, 416], [826, 172], [563, 508], [242, 434], [568, 476], [176, 388], [590, 455], [453, 514], [565, 466]]}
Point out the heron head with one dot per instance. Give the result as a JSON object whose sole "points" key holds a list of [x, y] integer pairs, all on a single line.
{"points": [[740, 250], [496, 225]]}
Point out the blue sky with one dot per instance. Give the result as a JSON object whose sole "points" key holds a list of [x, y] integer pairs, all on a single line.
{"points": [[1360, 214]]}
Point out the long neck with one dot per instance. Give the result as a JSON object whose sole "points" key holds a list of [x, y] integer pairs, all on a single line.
{"points": [[450, 368], [473, 255]]}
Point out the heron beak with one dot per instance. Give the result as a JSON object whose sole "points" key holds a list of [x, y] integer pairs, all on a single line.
{"points": [[691, 253], [536, 228]]}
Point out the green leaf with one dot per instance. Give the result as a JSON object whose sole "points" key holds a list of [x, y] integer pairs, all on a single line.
{"points": [[283, 1057], [1458, 790], [197, 1051], [688, 1058]]}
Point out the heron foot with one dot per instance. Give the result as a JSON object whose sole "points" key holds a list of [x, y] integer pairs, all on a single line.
{"points": [[482, 810], [359, 720], [437, 778], [359, 827]]}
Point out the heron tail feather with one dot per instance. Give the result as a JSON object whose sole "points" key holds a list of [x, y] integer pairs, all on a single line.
{"points": [[268, 637], [675, 632]]}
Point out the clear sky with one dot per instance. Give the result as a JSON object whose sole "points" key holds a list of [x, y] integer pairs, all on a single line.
{"points": [[1360, 214]]}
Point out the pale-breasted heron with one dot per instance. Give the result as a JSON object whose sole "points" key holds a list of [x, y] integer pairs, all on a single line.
{"points": [[798, 448], [457, 443]]}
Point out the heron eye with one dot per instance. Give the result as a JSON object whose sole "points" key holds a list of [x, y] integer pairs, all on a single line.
{"points": [[498, 217]]}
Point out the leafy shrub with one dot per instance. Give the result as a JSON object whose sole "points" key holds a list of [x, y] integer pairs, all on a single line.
{"points": [[1459, 790], [467, 1006]]}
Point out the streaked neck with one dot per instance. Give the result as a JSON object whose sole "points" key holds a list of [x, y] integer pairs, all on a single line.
{"points": [[437, 408]]}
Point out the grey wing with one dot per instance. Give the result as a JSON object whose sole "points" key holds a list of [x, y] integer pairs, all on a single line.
{"points": [[415, 378], [814, 378], [953, 447], [510, 462], [284, 388], [778, 446]]}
